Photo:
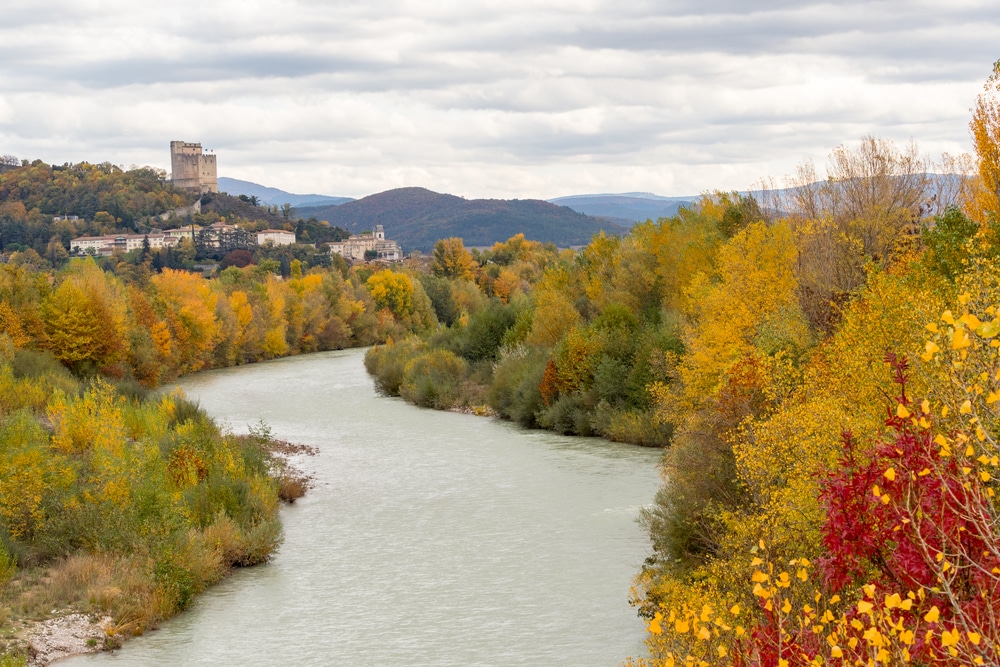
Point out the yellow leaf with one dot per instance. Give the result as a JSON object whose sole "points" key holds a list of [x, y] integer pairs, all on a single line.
{"points": [[836, 652], [723, 652], [966, 407], [990, 329], [932, 615], [960, 339], [864, 607], [925, 407], [964, 298], [654, 625], [932, 327], [735, 611], [947, 317], [890, 474], [787, 607], [950, 637], [682, 626], [704, 634], [985, 476], [970, 321]]}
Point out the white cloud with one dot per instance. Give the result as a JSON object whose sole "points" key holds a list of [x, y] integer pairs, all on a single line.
{"points": [[488, 97]]}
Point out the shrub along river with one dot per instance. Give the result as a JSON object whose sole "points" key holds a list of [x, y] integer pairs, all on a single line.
{"points": [[430, 538]]}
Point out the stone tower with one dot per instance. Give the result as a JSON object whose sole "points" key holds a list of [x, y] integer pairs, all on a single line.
{"points": [[379, 233], [191, 170]]}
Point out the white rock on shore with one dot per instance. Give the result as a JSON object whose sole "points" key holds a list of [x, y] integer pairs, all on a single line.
{"points": [[61, 637]]}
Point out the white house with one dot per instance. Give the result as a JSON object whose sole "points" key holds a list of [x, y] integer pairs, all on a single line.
{"points": [[276, 237], [356, 247]]}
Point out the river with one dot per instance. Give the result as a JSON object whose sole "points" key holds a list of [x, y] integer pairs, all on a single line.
{"points": [[430, 538]]}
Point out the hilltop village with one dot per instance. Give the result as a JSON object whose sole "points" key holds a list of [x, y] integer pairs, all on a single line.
{"points": [[196, 172]]}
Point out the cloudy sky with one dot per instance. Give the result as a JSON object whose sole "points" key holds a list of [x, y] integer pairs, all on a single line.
{"points": [[489, 98]]}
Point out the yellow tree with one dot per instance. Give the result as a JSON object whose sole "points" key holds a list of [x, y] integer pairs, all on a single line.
{"points": [[985, 126], [452, 260], [85, 319], [756, 283], [189, 305], [392, 291]]}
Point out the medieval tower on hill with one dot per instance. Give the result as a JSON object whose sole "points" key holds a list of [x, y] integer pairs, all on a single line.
{"points": [[192, 170]]}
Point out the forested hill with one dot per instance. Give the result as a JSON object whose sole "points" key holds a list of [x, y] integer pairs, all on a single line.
{"points": [[417, 217]]}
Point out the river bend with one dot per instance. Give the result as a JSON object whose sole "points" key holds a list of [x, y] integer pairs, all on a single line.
{"points": [[430, 539]]}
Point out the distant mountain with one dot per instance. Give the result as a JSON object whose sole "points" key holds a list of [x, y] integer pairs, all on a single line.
{"points": [[417, 218], [274, 196], [627, 208]]}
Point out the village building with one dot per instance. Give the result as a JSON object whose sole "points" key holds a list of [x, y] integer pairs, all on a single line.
{"points": [[110, 244], [275, 237], [368, 246]]}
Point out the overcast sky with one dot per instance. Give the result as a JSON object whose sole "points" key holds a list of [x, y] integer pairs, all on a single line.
{"points": [[489, 98]]}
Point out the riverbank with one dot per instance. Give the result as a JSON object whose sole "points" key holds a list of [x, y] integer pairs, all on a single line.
{"points": [[106, 557], [90, 582]]}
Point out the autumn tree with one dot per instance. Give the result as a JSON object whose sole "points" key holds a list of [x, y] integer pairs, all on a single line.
{"points": [[85, 320], [985, 127], [452, 260], [392, 290]]}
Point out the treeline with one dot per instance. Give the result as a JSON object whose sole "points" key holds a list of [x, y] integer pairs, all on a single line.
{"points": [[152, 327], [822, 360]]}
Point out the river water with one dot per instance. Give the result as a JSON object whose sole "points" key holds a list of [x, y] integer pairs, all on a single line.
{"points": [[430, 539]]}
